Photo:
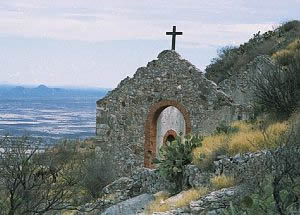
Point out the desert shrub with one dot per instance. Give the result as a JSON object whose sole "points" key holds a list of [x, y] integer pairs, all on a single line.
{"points": [[277, 91], [285, 177], [96, 173], [33, 181], [288, 26], [175, 156], [220, 67], [266, 47], [262, 200], [222, 181], [276, 179]]}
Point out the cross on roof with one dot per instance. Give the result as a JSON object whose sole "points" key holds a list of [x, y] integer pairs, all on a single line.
{"points": [[174, 33]]}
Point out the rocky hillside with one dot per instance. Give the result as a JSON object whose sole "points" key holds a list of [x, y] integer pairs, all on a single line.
{"points": [[232, 60]]}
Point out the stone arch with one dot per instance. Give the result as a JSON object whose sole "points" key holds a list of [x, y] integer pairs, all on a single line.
{"points": [[169, 133], [151, 124]]}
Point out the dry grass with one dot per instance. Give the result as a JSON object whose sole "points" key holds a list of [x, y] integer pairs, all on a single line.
{"points": [[159, 204], [295, 45], [284, 56], [273, 133], [211, 147], [246, 141], [279, 56], [191, 195], [250, 138], [162, 203], [243, 126], [222, 181]]}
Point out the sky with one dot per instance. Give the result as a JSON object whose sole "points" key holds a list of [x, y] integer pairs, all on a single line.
{"points": [[97, 43]]}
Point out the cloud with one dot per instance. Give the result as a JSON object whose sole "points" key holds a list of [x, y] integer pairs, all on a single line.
{"points": [[53, 41], [98, 20]]}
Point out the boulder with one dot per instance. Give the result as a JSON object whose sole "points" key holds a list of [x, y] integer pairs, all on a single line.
{"points": [[131, 206]]}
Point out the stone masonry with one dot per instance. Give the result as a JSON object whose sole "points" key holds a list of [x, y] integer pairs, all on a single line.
{"points": [[127, 117]]}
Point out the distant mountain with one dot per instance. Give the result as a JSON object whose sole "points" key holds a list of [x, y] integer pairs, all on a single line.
{"points": [[43, 91]]}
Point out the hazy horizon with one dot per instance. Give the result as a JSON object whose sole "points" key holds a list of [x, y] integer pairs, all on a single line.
{"points": [[53, 86]]}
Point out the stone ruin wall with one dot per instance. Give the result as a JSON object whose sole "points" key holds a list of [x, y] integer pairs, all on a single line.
{"points": [[126, 115], [123, 115]]}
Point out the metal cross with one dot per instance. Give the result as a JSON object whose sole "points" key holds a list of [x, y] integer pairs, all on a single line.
{"points": [[174, 33]]}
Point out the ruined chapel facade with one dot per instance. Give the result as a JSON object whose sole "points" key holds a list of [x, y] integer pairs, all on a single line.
{"points": [[168, 97]]}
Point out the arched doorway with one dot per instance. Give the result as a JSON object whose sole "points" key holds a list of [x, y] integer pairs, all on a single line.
{"points": [[169, 136], [169, 124], [150, 147]]}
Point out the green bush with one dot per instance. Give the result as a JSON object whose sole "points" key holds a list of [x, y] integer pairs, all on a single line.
{"points": [[263, 202], [275, 180], [96, 173], [291, 25], [174, 157], [221, 66], [33, 181], [225, 128], [95, 170]]}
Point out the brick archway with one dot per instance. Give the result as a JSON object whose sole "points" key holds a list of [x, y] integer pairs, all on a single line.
{"points": [[169, 133], [151, 124]]}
